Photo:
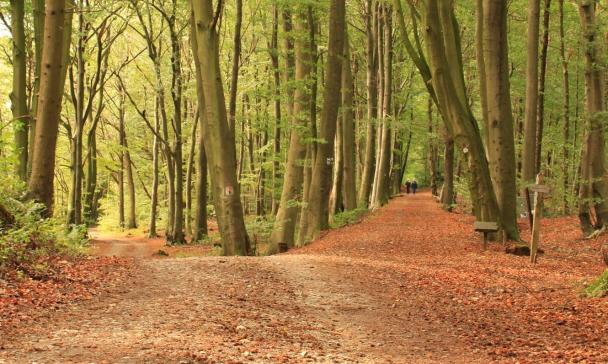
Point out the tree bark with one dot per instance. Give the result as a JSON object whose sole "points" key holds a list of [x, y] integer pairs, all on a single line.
{"points": [[369, 164], [236, 59], [52, 79], [317, 208], [19, 94], [566, 109], [501, 143], [541, 86], [529, 147], [219, 142], [291, 195], [349, 197], [593, 190]]}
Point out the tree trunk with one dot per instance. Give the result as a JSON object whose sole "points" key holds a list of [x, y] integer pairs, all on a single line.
{"points": [[369, 163], [481, 65], [52, 78], [382, 194], [447, 194], [19, 94], [236, 59], [432, 150], [566, 109], [152, 233], [189, 172], [501, 143], [219, 141], [349, 197], [274, 57], [530, 127], [593, 190], [448, 85], [38, 17], [335, 196], [317, 208], [541, 86], [291, 196]]}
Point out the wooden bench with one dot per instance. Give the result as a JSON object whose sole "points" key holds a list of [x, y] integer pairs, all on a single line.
{"points": [[486, 227]]}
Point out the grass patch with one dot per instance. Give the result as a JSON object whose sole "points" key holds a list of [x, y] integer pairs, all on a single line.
{"points": [[599, 287], [347, 217]]}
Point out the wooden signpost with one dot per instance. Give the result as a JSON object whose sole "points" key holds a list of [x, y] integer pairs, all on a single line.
{"points": [[539, 191], [486, 227]]}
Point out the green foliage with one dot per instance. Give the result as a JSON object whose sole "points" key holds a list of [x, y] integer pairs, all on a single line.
{"points": [[599, 287], [347, 217], [28, 249]]}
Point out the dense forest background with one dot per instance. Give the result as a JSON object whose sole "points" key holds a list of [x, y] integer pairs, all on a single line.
{"points": [[132, 151]]}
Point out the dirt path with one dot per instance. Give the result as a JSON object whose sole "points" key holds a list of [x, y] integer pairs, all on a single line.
{"points": [[407, 285]]}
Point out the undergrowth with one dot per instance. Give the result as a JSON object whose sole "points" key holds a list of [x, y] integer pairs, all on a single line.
{"points": [[32, 246], [599, 287], [347, 217]]}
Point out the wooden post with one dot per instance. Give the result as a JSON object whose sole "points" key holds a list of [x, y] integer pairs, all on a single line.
{"points": [[529, 206], [539, 191]]}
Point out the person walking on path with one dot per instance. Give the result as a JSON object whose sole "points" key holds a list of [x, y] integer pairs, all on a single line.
{"points": [[408, 185], [414, 186]]}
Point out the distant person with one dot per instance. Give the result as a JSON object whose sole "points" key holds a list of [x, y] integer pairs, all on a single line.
{"points": [[408, 185], [414, 186]]}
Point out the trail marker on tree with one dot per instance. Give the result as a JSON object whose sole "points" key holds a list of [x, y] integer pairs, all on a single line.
{"points": [[539, 191]]}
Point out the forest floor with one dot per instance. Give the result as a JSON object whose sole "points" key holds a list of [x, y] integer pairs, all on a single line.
{"points": [[408, 284]]}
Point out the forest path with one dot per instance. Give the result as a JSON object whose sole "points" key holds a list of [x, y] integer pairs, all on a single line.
{"points": [[408, 284]]}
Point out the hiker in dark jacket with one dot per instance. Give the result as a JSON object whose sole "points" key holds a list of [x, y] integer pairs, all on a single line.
{"points": [[408, 185], [414, 186]]}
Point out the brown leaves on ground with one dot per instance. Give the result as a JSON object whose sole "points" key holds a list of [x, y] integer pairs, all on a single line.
{"points": [[409, 284], [68, 280], [499, 303]]}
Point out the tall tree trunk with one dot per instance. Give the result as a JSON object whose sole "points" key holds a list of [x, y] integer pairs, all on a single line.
{"points": [[335, 196], [448, 86], [317, 209], [541, 86], [236, 59], [593, 190], [530, 127], [432, 150], [566, 108], [52, 79], [291, 196], [152, 233], [131, 222], [219, 141], [38, 17], [274, 57], [501, 143], [447, 193], [369, 164], [382, 194], [19, 93], [349, 197], [481, 65], [189, 172]]}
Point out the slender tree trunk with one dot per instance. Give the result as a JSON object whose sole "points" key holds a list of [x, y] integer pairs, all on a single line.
{"points": [[131, 222], [236, 59], [52, 79], [291, 196], [219, 141], [541, 86], [335, 196], [349, 197], [593, 190], [19, 94], [481, 65], [200, 220], [432, 149], [38, 17], [369, 164], [382, 194], [530, 127], [189, 172], [566, 108], [501, 143], [447, 195], [274, 57], [152, 233], [317, 208]]}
